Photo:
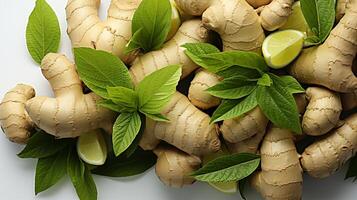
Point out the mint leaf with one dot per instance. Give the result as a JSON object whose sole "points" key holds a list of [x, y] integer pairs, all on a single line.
{"points": [[228, 168], [125, 129], [352, 169], [150, 25], [42, 32], [42, 145], [232, 88], [291, 84], [124, 97], [81, 177], [279, 106], [100, 69], [156, 90], [320, 16], [265, 80], [50, 170], [235, 108], [121, 166]]}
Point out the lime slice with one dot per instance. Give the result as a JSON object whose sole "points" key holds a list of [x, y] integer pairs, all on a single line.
{"points": [[296, 20], [91, 148], [175, 21], [282, 47]]}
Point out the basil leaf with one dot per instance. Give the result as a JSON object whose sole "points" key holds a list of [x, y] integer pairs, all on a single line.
{"points": [[232, 88], [42, 145], [135, 144], [50, 170], [153, 21], [122, 166], [156, 90], [228, 168], [249, 74], [291, 84], [195, 50], [235, 108], [157, 117], [352, 169], [125, 129], [124, 97], [81, 177], [43, 32], [265, 80], [100, 69], [279, 105], [109, 104]]}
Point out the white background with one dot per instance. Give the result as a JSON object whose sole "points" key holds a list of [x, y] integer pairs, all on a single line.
{"points": [[17, 175]]}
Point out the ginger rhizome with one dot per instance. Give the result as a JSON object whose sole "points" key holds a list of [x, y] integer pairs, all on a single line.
{"points": [[281, 175], [86, 29], [275, 14], [326, 156], [258, 3], [173, 166], [71, 113], [330, 64], [14, 119]]}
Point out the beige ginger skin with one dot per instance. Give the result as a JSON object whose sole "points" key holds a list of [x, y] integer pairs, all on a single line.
{"points": [[275, 14], [326, 156], [14, 120], [173, 166], [330, 64], [281, 175], [323, 111], [86, 29], [258, 3], [71, 112]]}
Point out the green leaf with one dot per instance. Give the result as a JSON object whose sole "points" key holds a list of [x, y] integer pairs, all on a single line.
{"points": [[265, 80], [122, 166], [320, 16], [43, 32], [152, 19], [109, 104], [50, 170], [135, 144], [352, 169], [124, 97], [157, 117], [235, 108], [245, 73], [228, 168], [125, 129], [279, 106], [81, 177], [241, 186], [156, 90], [232, 88], [42, 145], [100, 69], [195, 50], [291, 84]]}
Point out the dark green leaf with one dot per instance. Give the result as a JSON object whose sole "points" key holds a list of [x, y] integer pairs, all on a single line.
{"points": [[291, 84], [81, 177], [42, 145], [43, 32], [122, 166], [265, 80], [124, 97], [125, 129], [232, 88], [249, 74], [352, 169], [50, 170], [241, 186], [100, 69], [228, 168]]}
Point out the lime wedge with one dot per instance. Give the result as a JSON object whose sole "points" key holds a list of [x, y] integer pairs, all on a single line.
{"points": [[91, 148], [282, 47], [296, 20], [175, 21]]}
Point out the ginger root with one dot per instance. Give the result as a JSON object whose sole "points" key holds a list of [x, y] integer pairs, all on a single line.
{"points": [[14, 119], [249, 145], [323, 111], [258, 3], [330, 64], [275, 14], [326, 156], [173, 166], [71, 112], [86, 29], [349, 101], [281, 175], [340, 9]]}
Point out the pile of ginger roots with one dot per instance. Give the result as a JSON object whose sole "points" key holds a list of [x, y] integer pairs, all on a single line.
{"points": [[180, 145]]}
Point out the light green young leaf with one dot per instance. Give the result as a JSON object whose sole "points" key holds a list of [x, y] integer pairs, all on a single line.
{"points": [[81, 177], [42, 32], [157, 117], [195, 50], [228, 168], [232, 88], [291, 84], [135, 144], [279, 106], [100, 69], [153, 21], [50, 170], [234, 108], [122, 166], [109, 104], [124, 97], [156, 90], [125, 129], [265, 80]]}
